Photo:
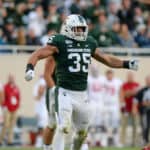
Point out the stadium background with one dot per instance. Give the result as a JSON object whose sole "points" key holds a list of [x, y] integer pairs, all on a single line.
{"points": [[16, 15]]}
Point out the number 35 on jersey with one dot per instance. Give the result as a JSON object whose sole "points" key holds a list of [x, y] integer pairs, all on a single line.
{"points": [[80, 62]]}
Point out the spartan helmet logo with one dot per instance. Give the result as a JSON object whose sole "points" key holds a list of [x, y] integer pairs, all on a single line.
{"points": [[81, 19]]}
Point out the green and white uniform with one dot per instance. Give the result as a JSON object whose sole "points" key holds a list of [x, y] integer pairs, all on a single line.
{"points": [[72, 63]]}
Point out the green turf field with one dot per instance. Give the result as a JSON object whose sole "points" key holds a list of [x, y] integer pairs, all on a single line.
{"points": [[90, 149]]}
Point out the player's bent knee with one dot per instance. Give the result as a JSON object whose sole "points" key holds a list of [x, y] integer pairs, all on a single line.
{"points": [[64, 129], [82, 133]]}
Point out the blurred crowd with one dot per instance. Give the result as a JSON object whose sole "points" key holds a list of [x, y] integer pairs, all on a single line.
{"points": [[124, 23]]}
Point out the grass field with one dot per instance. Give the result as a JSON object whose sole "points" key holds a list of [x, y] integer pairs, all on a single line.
{"points": [[90, 149]]}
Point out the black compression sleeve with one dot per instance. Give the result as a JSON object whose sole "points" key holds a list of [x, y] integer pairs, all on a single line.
{"points": [[29, 67], [126, 64]]}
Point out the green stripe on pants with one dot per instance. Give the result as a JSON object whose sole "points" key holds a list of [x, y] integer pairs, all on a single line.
{"points": [[56, 99], [47, 99]]}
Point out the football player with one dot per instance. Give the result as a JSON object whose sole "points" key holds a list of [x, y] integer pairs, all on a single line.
{"points": [[111, 107], [50, 78], [95, 93], [72, 50]]}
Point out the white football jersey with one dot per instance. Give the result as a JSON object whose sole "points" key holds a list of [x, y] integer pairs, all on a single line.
{"points": [[111, 91], [95, 91], [95, 87]]}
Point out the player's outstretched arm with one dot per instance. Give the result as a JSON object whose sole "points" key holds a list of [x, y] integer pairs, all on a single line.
{"points": [[113, 61], [35, 57]]}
